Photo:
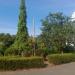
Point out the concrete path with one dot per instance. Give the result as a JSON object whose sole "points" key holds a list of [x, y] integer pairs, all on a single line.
{"points": [[66, 69]]}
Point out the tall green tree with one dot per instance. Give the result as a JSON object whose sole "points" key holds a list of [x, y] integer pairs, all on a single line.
{"points": [[21, 41], [22, 33], [57, 29]]}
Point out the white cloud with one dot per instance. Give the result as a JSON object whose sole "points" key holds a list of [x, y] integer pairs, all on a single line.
{"points": [[73, 16]]}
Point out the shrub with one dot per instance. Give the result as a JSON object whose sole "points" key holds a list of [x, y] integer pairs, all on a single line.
{"points": [[11, 51], [13, 63], [69, 49], [61, 58]]}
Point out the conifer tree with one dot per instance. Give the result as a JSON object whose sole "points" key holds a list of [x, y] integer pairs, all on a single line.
{"points": [[21, 41]]}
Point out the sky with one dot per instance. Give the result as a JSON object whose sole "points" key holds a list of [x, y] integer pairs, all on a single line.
{"points": [[37, 9]]}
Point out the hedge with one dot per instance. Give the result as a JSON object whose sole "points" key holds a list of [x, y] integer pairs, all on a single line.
{"points": [[14, 63], [61, 58]]}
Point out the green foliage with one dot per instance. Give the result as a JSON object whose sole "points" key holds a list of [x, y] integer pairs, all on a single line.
{"points": [[21, 41], [2, 49], [31, 45], [14, 63], [6, 40], [41, 49], [11, 51], [69, 49], [57, 29], [61, 58], [22, 34], [14, 51]]}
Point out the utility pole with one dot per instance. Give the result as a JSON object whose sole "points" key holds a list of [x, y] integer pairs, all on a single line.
{"points": [[33, 37]]}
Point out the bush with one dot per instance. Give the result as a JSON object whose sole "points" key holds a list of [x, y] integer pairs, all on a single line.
{"points": [[14, 63], [61, 58], [11, 51], [69, 49]]}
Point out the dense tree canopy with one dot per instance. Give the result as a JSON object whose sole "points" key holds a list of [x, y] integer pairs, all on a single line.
{"points": [[6, 40], [57, 30]]}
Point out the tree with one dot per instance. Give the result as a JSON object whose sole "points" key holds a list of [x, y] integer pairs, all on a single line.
{"points": [[6, 40], [56, 30], [22, 33], [21, 40]]}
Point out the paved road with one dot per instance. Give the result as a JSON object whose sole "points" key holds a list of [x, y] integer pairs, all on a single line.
{"points": [[66, 69]]}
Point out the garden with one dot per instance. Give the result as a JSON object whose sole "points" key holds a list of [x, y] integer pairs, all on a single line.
{"points": [[56, 43]]}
